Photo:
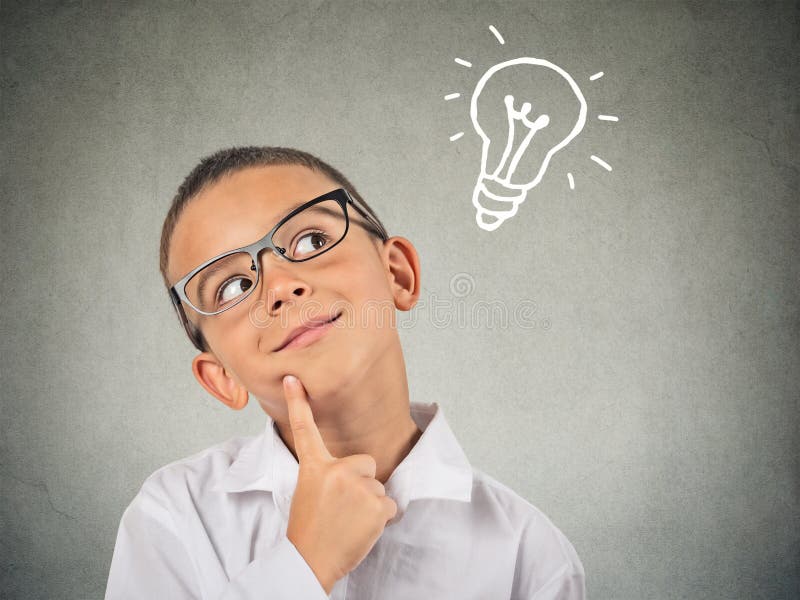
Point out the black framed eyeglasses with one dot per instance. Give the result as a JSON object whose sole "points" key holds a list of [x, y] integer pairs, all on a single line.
{"points": [[310, 230]]}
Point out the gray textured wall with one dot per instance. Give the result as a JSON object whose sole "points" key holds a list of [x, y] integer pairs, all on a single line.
{"points": [[652, 412]]}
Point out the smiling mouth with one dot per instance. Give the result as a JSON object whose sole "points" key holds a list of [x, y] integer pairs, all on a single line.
{"points": [[309, 335]]}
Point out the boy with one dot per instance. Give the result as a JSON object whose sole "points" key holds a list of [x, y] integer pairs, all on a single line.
{"points": [[274, 264]]}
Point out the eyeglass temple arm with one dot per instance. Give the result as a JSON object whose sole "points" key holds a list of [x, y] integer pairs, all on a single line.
{"points": [[190, 329], [377, 227]]}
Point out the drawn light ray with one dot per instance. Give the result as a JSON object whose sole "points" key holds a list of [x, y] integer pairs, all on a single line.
{"points": [[456, 136], [464, 63], [497, 34], [452, 96], [571, 181], [608, 118], [601, 162], [597, 75]]}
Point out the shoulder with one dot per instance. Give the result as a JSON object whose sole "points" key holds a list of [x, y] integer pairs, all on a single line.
{"points": [[194, 474], [543, 551], [518, 511]]}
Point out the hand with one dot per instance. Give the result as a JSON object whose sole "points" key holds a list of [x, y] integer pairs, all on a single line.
{"points": [[339, 510]]}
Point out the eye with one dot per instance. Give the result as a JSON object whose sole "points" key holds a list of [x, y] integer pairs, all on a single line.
{"points": [[232, 289], [317, 240]]}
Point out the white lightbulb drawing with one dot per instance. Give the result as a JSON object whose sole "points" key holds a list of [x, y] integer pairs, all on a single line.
{"points": [[502, 182], [519, 134]]}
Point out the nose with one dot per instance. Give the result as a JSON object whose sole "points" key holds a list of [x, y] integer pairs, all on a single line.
{"points": [[280, 283]]}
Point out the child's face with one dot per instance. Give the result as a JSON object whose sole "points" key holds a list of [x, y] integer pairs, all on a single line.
{"points": [[357, 276]]}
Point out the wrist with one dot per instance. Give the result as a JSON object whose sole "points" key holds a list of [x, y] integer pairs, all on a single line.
{"points": [[326, 577]]}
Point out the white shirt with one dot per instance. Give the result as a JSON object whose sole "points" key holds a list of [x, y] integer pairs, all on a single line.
{"points": [[212, 526]]}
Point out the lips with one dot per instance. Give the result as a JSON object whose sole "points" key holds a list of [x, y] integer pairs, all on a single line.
{"points": [[302, 329]]}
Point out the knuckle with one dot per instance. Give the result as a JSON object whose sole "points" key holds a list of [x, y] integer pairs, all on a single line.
{"points": [[364, 464], [372, 488], [339, 468], [371, 462], [378, 505], [337, 475]]}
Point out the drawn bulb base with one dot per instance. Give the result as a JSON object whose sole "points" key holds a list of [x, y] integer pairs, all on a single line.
{"points": [[495, 202]]}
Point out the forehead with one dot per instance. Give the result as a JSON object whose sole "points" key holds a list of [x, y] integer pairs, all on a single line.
{"points": [[238, 210]]}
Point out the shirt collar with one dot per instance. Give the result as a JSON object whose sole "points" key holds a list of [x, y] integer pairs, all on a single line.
{"points": [[436, 467]]}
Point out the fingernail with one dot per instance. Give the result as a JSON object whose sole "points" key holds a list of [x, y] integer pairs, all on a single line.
{"points": [[290, 379]]}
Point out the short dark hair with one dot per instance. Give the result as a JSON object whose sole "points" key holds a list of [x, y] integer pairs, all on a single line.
{"points": [[214, 167]]}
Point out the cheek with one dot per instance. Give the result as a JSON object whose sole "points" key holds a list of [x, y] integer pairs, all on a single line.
{"points": [[235, 325], [234, 339], [373, 306], [369, 278]]}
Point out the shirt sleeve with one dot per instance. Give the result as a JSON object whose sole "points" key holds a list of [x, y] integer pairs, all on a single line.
{"points": [[566, 584], [151, 561], [548, 567]]}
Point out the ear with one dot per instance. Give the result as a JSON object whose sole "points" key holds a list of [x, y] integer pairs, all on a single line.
{"points": [[403, 272], [214, 377]]}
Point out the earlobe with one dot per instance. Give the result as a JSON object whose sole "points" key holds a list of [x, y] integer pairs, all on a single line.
{"points": [[240, 401], [214, 378]]}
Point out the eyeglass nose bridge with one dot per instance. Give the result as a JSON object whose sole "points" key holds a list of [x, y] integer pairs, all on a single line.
{"points": [[255, 259], [259, 247], [266, 243], [256, 251]]}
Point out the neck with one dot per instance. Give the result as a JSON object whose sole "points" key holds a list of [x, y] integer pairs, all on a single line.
{"points": [[368, 415]]}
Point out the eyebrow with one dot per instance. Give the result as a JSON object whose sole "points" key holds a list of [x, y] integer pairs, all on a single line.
{"points": [[289, 210]]}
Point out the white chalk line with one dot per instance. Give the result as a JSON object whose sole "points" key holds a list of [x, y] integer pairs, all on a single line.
{"points": [[601, 162], [497, 34]]}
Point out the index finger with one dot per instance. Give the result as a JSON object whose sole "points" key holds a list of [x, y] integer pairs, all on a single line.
{"points": [[308, 441]]}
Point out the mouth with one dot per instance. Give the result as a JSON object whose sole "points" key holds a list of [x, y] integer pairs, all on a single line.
{"points": [[306, 334]]}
